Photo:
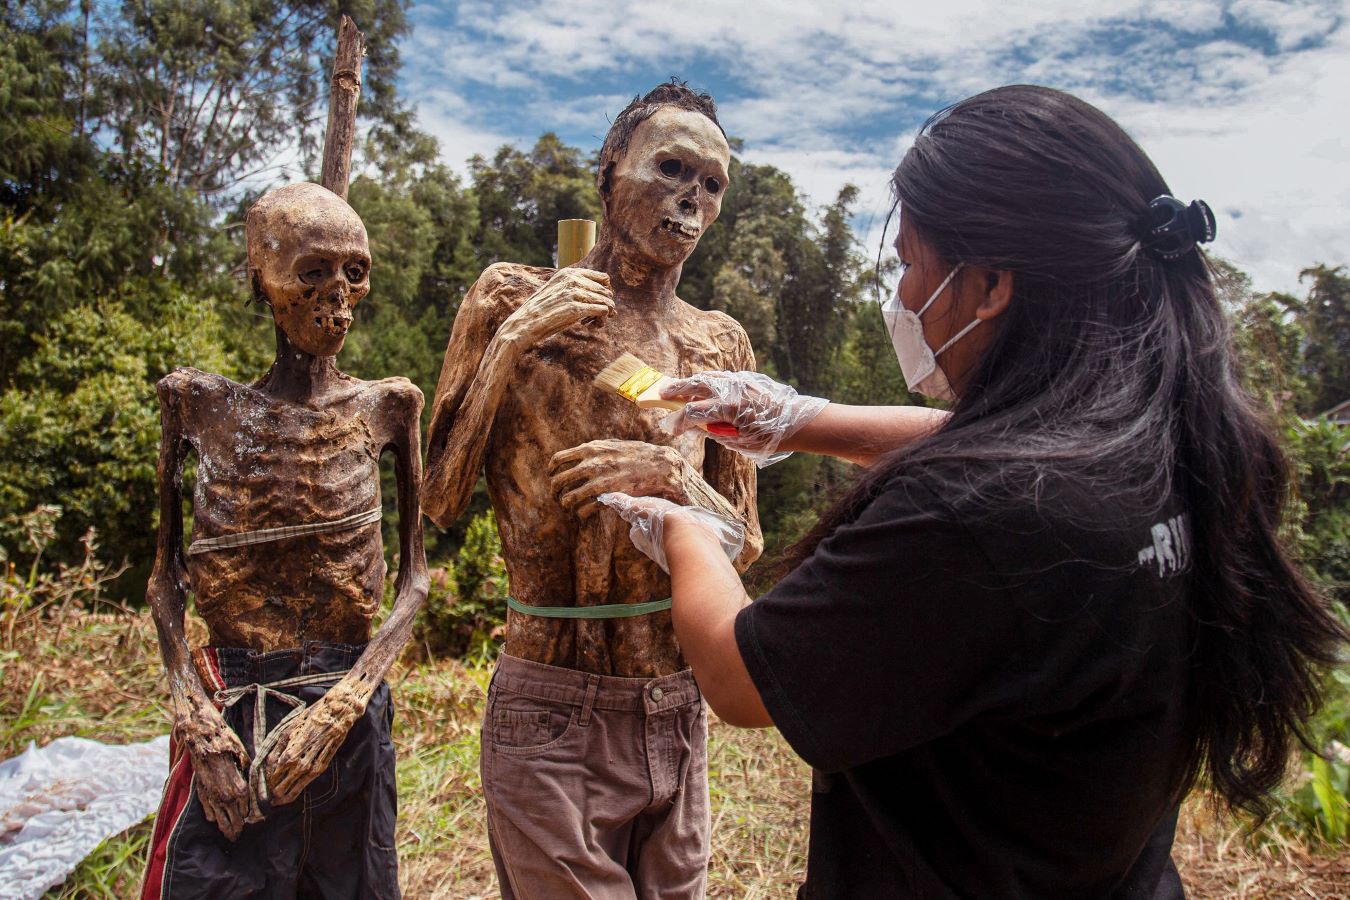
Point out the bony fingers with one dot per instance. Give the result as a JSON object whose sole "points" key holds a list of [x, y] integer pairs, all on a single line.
{"points": [[594, 275], [582, 470], [588, 450], [594, 306], [572, 500], [565, 460]]}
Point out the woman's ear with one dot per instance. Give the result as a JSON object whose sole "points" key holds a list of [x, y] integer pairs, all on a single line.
{"points": [[996, 290]]}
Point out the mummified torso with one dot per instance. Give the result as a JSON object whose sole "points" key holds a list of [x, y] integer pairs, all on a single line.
{"points": [[553, 557], [264, 463]]}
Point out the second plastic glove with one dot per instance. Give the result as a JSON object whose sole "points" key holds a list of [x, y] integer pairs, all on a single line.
{"points": [[647, 516]]}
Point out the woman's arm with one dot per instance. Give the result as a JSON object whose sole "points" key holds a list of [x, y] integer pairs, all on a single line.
{"points": [[707, 594], [862, 434], [772, 419]]}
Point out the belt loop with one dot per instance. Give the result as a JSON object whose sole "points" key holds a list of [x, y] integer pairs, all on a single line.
{"points": [[592, 688]]}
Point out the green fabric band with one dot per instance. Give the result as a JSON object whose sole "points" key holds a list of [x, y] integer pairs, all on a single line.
{"points": [[611, 611]]}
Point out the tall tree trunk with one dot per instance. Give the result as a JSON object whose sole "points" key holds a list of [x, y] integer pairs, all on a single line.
{"points": [[346, 90]]}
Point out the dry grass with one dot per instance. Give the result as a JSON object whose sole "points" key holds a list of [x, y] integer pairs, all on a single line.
{"points": [[99, 676]]}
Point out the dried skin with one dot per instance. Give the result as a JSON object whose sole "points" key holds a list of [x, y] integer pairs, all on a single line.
{"points": [[301, 445], [264, 463], [515, 392], [554, 556]]}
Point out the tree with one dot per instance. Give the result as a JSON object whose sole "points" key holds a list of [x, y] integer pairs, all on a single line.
{"points": [[79, 427], [75, 221], [1325, 320], [521, 197], [1268, 339], [212, 92]]}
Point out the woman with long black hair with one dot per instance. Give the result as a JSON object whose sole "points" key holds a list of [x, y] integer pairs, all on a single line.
{"points": [[1036, 622]]}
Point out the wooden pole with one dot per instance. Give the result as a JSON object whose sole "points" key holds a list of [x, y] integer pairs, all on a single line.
{"points": [[346, 90], [576, 237]]}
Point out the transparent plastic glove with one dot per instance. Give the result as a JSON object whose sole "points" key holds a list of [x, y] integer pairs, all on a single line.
{"points": [[647, 516], [763, 411]]}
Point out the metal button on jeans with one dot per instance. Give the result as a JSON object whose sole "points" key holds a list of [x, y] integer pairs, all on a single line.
{"points": [[657, 694]]}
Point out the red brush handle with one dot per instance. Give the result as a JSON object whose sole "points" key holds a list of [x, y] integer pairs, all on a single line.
{"points": [[722, 429]]}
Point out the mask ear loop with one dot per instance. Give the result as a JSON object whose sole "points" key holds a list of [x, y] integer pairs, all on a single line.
{"points": [[938, 293], [960, 334], [881, 250]]}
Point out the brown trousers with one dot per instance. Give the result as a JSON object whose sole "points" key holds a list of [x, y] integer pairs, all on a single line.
{"points": [[596, 786]]}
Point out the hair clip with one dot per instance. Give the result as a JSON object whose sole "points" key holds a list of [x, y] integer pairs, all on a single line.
{"points": [[1174, 228]]}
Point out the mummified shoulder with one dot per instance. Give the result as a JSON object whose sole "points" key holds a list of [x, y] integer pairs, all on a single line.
{"points": [[504, 286]]}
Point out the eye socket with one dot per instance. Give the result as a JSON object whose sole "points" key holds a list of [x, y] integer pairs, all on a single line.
{"points": [[312, 275], [712, 185], [356, 272], [671, 168]]}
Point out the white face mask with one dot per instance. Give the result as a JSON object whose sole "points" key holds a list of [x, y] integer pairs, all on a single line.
{"points": [[918, 362]]}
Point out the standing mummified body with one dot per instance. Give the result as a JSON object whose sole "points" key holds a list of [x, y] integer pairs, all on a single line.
{"points": [[287, 569], [595, 719]]}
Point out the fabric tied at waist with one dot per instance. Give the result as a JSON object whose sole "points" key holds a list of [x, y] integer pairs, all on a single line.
{"points": [[608, 611], [263, 742], [264, 535]]}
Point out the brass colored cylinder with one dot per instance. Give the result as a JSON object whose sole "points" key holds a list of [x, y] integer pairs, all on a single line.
{"points": [[576, 237]]}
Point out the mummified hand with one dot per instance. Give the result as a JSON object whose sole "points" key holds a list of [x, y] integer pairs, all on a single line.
{"points": [[219, 767], [570, 296], [581, 474], [309, 744]]}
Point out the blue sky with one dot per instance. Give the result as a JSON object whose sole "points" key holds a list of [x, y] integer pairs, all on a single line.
{"points": [[1245, 103]]}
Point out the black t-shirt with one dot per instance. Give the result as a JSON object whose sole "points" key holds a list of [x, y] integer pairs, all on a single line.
{"points": [[994, 705]]}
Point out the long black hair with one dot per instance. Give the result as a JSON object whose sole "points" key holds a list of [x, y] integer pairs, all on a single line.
{"points": [[1116, 367]]}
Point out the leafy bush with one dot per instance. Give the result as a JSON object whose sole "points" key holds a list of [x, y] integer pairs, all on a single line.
{"points": [[1316, 802], [465, 609], [1320, 452], [29, 588], [79, 427]]}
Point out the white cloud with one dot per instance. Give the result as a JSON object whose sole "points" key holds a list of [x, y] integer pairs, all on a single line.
{"points": [[832, 91], [1186, 15], [1272, 154], [1290, 22], [450, 118]]}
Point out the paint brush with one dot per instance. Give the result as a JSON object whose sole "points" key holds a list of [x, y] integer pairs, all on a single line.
{"points": [[634, 380]]}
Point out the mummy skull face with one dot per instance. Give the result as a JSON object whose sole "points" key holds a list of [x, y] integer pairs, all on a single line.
{"points": [[310, 262], [667, 188]]}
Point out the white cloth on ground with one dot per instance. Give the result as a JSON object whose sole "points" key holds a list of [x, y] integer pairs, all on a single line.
{"points": [[59, 802]]}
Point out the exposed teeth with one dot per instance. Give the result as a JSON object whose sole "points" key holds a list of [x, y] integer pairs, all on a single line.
{"points": [[679, 228], [333, 324]]}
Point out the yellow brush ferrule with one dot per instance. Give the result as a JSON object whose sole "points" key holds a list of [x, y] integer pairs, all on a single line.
{"points": [[639, 381]]}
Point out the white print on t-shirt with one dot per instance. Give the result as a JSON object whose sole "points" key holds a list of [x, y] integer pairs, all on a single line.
{"points": [[1170, 552]]}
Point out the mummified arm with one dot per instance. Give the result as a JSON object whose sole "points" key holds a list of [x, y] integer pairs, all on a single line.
{"points": [[308, 746], [479, 364], [218, 758]]}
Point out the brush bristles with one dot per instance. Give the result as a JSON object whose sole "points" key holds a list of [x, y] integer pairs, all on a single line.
{"points": [[613, 376]]}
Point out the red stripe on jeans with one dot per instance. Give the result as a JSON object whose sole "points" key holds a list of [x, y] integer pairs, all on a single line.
{"points": [[177, 791]]}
